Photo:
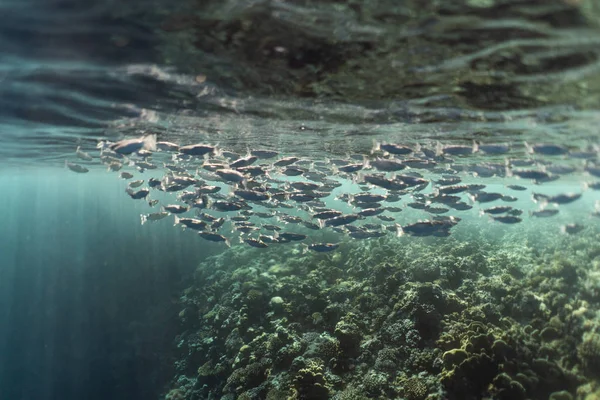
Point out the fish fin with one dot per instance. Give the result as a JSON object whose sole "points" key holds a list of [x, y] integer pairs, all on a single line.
{"points": [[399, 230], [227, 242], [439, 149], [528, 147], [304, 248], [376, 146], [149, 142]]}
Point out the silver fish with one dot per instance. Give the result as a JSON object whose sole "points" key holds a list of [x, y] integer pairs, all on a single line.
{"points": [[80, 169], [153, 216]]}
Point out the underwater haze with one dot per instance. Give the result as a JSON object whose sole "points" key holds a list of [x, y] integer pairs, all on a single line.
{"points": [[300, 200]]}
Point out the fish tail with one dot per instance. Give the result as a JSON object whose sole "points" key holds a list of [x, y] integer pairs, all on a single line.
{"points": [[399, 230], [218, 151], [507, 169], [227, 242], [475, 146], [143, 218], [176, 220], [439, 149]]}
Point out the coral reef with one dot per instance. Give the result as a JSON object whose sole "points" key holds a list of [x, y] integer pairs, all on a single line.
{"points": [[453, 318]]}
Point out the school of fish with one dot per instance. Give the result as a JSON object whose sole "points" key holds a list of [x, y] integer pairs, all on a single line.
{"points": [[265, 198]]}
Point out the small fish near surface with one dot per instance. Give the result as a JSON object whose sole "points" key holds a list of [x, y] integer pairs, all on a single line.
{"points": [[255, 243], [191, 223], [323, 247], [76, 168], [153, 216], [140, 194], [572, 229], [214, 237], [129, 146], [544, 213], [83, 155]]}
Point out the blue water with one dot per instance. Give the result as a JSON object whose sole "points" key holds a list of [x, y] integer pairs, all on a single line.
{"points": [[88, 296]]}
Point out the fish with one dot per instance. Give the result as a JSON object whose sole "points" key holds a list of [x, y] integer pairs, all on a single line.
{"points": [[80, 169], [385, 183], [226, 206], [311, 225], [485, 197], [153, 182], [544, 213], [323, 247], [454, 150], [367, 198], [191, 223], [284, 162], [208, 189], [83, 155], [167, 146], [341, 220], [572, 229], [256, 243], [140, 194], [304, 186], [491, 149], [535, 175], [565, 198], [175, 208], [427, 228], [452, 189], [392, 148], [436, 210], [507, 219], [230, 175], [136, 184], [243, 162], [214, 237], [517, 187], [264, 154], [153, 216], [368, 212], [387, 165], [497, 210], [546, 149], [251, 195], [592, 185], [327, 214], [290, 236], [126, 175], [129, 146], [351, 168], [593, 170], [460, 206], [293, 171], [198, 149]]}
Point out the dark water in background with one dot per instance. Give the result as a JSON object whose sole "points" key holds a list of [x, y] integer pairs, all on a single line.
{"points": [[86, 293]]}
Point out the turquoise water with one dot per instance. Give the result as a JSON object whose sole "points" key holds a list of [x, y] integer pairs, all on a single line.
{"points": [[96, 305]]}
